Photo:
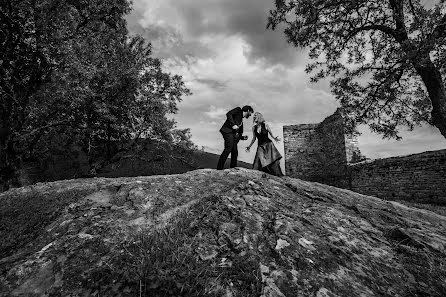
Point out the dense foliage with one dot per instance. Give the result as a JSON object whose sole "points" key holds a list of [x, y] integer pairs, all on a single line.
{"points": [[72, 77], [386, 58]]}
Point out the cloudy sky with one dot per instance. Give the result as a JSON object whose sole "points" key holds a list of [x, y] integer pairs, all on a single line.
{"points": [[228, 58]]}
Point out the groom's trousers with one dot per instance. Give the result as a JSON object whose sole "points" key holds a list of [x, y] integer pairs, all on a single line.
{"points": [[230, 148]]}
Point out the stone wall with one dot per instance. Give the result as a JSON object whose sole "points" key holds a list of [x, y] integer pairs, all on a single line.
{"points": [[419, 177], [300, 142], [317, 152], [322, 153]]}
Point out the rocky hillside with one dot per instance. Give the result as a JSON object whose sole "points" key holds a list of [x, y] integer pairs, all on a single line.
{"points": [[215, 233]]}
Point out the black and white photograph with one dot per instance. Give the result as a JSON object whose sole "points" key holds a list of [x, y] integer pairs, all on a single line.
{"points": [[223, 148]]}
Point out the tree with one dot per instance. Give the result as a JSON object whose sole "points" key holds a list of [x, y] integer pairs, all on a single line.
{"points": [[387, 58], [71, 75], [38, 82], [157, 95]]}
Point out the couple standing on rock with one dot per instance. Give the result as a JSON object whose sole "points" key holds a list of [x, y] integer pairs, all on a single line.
{"points": [[267, 157]]}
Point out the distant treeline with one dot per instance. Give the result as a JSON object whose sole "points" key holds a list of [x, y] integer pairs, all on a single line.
{"points": [[71, 76]]}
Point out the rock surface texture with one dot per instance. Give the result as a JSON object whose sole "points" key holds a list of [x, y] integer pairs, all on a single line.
{"points": [[235, 232]]}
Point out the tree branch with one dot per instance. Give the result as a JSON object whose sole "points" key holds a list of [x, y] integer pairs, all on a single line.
{"points": [[397, 7], [182, 160], [383, 28], [59, 123]]}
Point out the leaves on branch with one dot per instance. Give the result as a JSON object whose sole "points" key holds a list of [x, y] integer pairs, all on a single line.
{"points": [[386, 59], [71, 74]]}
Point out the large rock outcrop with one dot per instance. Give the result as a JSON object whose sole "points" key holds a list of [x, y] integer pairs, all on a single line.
{"points": [[215, 233]]}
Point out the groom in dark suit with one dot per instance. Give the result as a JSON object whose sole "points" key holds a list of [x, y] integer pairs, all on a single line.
{"points": [[232, 131]]}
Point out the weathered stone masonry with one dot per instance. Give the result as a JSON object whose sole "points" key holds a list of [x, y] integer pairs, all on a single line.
{"points": [[322, 153], [319, 152], [419, 177]]}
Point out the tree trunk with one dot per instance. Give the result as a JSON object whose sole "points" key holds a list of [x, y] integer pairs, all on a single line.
{"points": [[9, 166], [433, 81], [108, 140]]}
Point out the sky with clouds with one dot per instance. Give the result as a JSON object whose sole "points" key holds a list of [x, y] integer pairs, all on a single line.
{"points": [[228, 58]]}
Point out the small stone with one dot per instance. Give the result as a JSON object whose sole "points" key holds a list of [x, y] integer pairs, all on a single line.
{"points": [[281, 244], [225, 263], [306, 244], [129, 212], [323, 292], [264, 269], [101, 198], [240, 202], [273, 181], [138, 221], [85, 236], [66, 222]]}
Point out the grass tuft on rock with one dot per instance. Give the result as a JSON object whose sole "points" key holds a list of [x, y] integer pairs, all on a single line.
{"points": [[167, 261]]}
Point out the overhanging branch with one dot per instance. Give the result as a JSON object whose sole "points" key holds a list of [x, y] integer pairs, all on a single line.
{"points": [[58, 123], [383, 28]]}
